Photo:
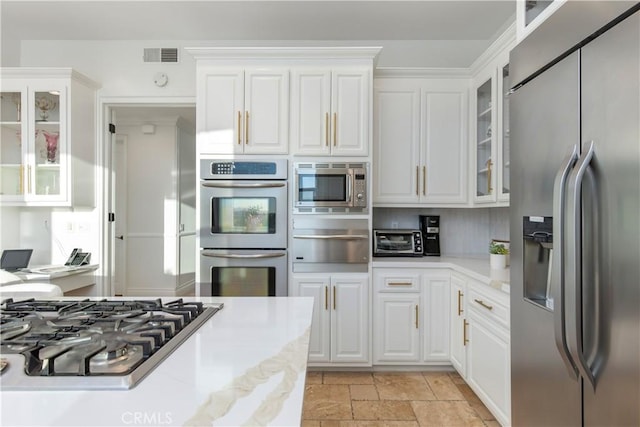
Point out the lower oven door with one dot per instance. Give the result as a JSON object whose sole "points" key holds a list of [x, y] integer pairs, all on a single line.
{"points": [[235, 273]]}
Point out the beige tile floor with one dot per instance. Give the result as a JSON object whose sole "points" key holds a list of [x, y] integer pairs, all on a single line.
{"points": [[391, 399]]}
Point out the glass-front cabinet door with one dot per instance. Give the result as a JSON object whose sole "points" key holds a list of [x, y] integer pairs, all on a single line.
{"points": [[484, 147], [13, 149], [32, 152], [504, 86]]}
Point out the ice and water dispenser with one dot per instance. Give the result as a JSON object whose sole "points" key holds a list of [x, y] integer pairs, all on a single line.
{"points": [[537, 257]]}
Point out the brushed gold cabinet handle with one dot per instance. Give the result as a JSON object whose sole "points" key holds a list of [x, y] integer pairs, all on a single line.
{"points": [[326, 129], [417, 180], [464, 332], [29, 178], [460, 294], [21, 178], [246, 127], [326, 298], [334, 297], [335, 129], [416, 316], [239, 127], [424, 180], [399, 283], [484, 304]]}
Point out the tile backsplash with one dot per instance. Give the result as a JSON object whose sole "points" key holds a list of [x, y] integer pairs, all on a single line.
{"points": [[463, 232]]}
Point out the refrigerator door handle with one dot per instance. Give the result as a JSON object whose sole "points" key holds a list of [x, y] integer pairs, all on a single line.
{"points": [[573, 270], [556, 275]]}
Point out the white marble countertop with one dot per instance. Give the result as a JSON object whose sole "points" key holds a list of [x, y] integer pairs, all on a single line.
{"points": [[245, 365], [477, 268]]}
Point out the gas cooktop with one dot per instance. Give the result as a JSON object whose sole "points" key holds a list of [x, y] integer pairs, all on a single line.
{"points": [[91, 344]]}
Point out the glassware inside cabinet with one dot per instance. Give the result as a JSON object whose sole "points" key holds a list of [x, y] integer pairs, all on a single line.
{"points": [[47, 143], [506, 84], [11, 146], [484, 162]]}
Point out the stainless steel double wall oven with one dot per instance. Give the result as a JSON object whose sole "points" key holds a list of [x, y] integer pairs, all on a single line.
{"points": [[243, 227]]}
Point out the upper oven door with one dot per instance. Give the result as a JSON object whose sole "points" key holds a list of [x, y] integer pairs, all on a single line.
{"points": [[323, 187], [243, 214]]}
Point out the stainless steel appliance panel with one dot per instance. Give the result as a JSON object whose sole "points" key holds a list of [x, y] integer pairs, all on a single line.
{"points": [[243, 272], [330, 187], [542, 392], [340, 245], [611, 119], [594, 312]]}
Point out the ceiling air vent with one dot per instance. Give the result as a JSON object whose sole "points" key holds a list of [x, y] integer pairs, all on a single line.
{"points": [[164, 54]]}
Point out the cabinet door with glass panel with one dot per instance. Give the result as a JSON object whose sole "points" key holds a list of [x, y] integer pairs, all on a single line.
{"points": [[484, 141], [32, 158], [503, 135], [45, 158]]}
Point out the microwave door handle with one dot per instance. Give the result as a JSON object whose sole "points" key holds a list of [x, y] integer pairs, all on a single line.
{"points": [[349, 185], [332, 236], [243, 256], [243, 185]]}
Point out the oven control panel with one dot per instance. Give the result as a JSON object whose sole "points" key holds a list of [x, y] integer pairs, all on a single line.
{"points": [[245, 169]]}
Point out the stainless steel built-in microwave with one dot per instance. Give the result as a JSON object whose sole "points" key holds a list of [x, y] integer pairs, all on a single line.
{"points": [[330, 187]]}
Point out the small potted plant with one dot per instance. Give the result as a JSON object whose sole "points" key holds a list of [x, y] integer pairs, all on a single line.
{"points": [[498, 253]]}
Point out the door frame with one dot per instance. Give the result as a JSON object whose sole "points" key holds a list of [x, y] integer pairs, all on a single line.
{"points": [[105, 203]]}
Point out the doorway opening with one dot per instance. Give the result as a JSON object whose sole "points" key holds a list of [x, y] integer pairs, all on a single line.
{"points": [[151, 185]]}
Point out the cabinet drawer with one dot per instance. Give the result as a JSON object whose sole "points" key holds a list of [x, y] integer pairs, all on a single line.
{"points": [[488, 306], [395, 281]]}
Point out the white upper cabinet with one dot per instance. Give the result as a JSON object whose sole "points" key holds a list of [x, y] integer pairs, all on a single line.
{"points": [[243, 111], [420, 141], [531, 13], [330, 111], [490, 124], [47, 150]]}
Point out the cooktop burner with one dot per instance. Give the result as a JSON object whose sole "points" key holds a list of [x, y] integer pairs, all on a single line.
{"points": [[92, 344]]}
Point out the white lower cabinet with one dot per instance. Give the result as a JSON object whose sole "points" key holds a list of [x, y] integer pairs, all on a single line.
{"points": [[340, 326], [458, 324], [410, 318], [480, 344]]}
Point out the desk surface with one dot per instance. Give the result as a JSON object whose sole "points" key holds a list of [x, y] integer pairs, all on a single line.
{"points": [[48, 272]]}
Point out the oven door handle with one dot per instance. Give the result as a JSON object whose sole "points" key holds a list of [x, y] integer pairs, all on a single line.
{"points": [[332, 236], [244, 185], [243, 256]]}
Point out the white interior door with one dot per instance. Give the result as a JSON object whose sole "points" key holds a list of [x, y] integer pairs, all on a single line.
{"points": [[119, 187]]}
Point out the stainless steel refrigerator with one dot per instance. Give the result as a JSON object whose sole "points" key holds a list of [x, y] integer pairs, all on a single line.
{"points": [[575, 218]]}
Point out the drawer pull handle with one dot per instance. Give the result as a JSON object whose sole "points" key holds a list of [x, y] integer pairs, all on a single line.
{"points": [[464, 332], [400, 283], [484, 304]]}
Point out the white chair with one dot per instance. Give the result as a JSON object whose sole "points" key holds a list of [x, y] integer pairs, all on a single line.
{"points": [[30, 290]]}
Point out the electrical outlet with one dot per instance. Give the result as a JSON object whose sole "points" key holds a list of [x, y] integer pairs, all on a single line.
{"points": [[394, 225], [68, 227]]}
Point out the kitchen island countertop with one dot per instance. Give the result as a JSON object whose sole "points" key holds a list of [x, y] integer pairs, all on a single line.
{"points": [[245, 365]]}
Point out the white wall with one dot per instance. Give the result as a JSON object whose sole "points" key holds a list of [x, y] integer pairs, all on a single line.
{"points": [[51, 233], [119, 67]]}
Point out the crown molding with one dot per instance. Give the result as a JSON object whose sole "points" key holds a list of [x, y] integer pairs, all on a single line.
{"points": [[419, 72], [505, 42], [47, 72]]}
